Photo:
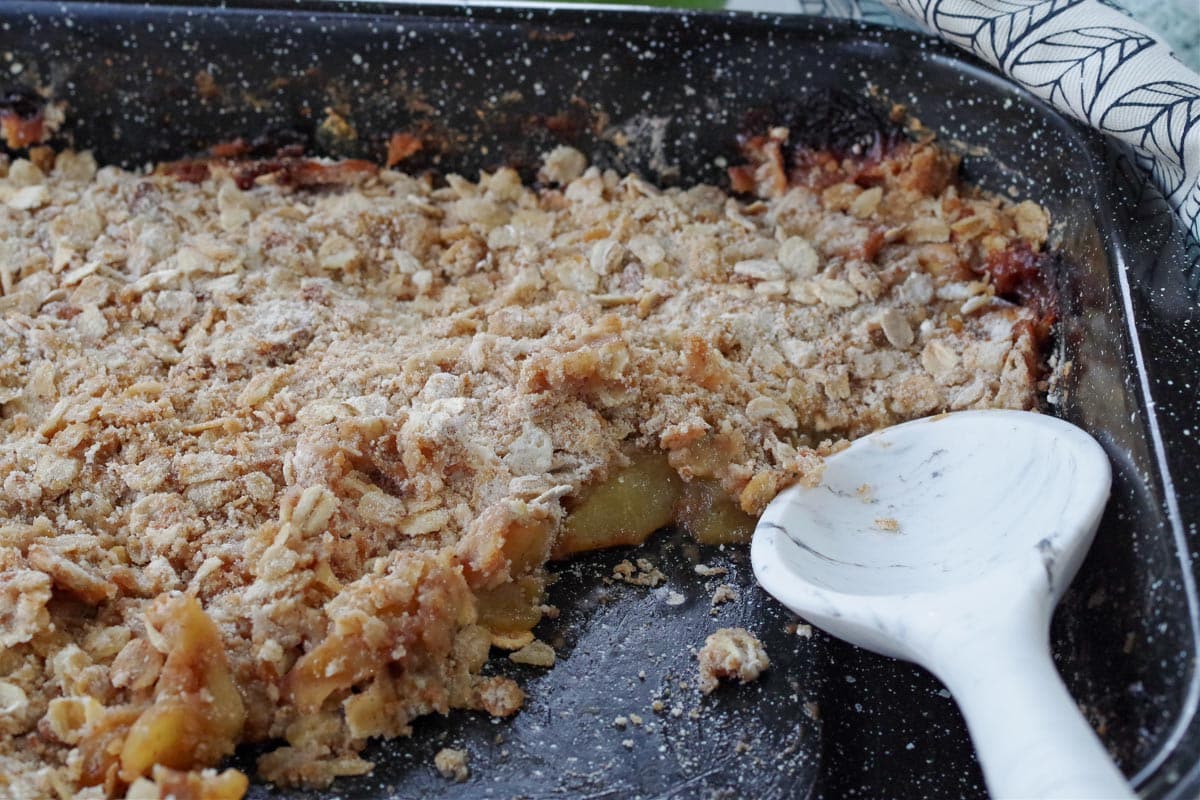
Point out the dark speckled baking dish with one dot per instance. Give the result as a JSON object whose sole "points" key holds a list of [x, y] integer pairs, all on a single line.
{"points": [[496, 85]]}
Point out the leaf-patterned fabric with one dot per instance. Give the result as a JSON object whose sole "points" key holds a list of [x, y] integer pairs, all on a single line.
{"points": [[1086, 58]]}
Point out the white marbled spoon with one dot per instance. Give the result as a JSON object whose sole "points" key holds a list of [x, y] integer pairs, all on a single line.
{"points": [[948, 541]]}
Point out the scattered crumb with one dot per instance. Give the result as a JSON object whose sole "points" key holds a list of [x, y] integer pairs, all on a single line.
{"points": [[708, 572], [401, 146], [677, 711], [643, 573], [864, 492], [635, 719], [724, 594], [562, 165], [812, 710], [641, 674], [887, 524], [731, 653], [535, 654], [620, 722], [675, 599], [336, 127], [627, 744], [657, 707], [804, 631], [741, 747], [452, 764]]}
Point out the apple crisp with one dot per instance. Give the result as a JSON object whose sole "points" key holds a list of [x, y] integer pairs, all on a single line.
{"points": [[285, 447]]}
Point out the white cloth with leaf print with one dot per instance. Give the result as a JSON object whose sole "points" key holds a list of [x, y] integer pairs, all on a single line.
{"points": [[1086, 58]]}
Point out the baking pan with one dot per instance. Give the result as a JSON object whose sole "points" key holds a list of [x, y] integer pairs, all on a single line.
{"points": [[665, 94]]}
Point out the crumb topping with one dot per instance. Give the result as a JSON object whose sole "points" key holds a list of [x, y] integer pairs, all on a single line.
{"points": [[284, 450]]}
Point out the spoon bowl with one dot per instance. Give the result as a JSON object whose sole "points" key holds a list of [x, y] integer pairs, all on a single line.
{"points": [[948, 541]]}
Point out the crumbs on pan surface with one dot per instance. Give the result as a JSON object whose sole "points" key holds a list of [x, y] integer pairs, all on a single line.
{"points": [[731, 654], [452, 764]]}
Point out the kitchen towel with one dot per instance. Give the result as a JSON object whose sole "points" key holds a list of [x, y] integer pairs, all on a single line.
{"points": [[1086, 58]]}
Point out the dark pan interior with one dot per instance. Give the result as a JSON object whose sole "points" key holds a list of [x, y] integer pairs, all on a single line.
{"points": [[494, 86]]}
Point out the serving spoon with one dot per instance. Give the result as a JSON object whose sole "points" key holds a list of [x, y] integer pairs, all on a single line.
{"points": [[948, 541]]}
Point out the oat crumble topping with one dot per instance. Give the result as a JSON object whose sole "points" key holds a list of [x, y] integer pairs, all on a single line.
{"points": [[283, 454]]}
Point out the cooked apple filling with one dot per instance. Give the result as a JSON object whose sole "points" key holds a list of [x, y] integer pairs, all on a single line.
{"points": [[286, 447]]}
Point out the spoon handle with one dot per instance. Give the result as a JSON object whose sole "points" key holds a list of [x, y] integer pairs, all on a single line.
{"points": [[1030, 737]]}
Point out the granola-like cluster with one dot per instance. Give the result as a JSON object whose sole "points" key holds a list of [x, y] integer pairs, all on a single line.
{"points": [[731, 654], [286, 461]]}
